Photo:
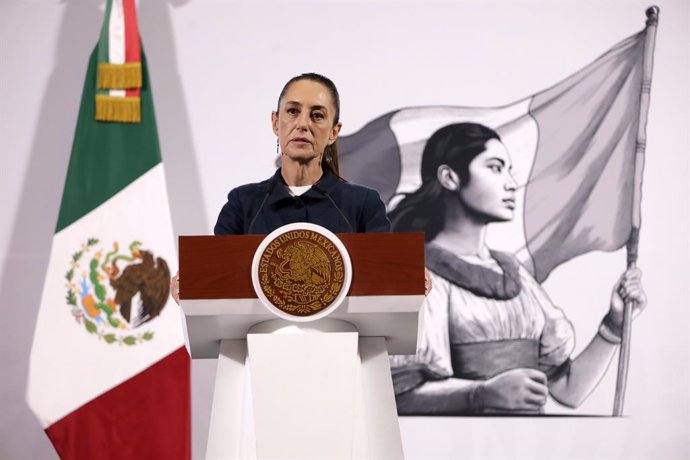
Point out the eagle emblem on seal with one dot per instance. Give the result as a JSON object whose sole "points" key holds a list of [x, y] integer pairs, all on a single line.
{"points": [[116, 292], [304, 262]]}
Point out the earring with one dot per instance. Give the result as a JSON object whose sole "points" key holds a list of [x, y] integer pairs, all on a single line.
{"points": [[277, 146]]}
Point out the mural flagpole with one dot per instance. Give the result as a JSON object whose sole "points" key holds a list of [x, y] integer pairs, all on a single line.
{"points": [[632, 245]]}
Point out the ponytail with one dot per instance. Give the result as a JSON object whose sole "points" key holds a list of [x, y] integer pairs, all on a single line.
{"points": [[330, 159], [419, 211]]}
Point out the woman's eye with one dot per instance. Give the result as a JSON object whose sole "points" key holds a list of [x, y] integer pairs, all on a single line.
{"points": [[317, 116], [292, 111], [496, 168]]}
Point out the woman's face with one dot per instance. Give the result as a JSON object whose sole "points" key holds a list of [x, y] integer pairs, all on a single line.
{"points": [[304, 121], [490, 191]]}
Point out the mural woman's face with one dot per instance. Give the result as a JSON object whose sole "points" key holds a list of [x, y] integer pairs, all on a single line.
{"points": [[490, 192]]}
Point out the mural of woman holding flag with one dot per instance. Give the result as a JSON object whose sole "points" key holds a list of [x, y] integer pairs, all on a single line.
{"points": [[493, 342]]}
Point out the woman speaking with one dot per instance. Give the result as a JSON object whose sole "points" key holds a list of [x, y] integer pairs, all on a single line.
{"points": [[307, 186]]}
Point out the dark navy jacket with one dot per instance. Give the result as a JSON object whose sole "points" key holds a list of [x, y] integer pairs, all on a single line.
{"points": [[339, 206]]}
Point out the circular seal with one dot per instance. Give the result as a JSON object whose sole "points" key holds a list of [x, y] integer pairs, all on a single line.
{"points": [[301, 272]]}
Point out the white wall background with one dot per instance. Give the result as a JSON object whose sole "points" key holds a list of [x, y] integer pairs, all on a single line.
{"points": [[217, 67]]}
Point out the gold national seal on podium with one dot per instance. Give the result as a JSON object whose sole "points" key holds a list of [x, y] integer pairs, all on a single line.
{"points": [[301, 272]]}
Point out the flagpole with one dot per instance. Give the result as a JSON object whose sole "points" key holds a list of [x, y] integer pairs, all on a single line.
{"points": [[633, 242]]}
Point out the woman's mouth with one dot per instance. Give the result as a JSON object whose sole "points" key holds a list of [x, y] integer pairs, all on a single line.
{"points": [[509, 202]]}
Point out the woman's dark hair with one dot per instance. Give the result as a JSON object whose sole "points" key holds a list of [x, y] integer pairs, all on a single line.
{"points": [[330, 154], [453, 145]]}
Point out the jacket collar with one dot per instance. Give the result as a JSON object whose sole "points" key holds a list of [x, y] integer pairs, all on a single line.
{"points": [[278, 190]]}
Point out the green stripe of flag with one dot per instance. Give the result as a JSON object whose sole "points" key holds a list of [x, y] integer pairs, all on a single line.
{"points": [[103, 46], [106, 157], [103, 43]]}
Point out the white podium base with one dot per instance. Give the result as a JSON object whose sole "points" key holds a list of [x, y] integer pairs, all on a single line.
{"points": [[293, 391]]}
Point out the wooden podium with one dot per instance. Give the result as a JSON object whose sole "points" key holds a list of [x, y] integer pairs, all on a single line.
{"points": [[319, 389]]}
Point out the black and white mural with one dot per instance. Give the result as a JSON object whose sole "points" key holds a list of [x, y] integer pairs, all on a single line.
{"points": [[504, 196]]}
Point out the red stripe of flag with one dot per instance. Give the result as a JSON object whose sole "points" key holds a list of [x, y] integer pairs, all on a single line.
{"points": [[132, 44], [147, 416]]}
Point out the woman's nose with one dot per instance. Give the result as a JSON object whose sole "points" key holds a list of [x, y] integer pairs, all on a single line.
{"points": [[510, 183], [303, 120]]}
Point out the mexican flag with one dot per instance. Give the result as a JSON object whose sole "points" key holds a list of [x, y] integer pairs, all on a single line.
{"points": [[574, 149], [109, 374]]}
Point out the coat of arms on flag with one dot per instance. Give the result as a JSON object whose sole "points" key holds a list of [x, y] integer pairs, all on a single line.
{"points": [[574, 155], [115, 293]]}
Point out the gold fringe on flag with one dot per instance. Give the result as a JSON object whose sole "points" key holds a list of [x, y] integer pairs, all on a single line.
{"points": [[119, 76], [121, 109]]}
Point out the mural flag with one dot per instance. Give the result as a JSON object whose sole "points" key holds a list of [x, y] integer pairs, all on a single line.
{"points": [[573, 152], [109, 374]]}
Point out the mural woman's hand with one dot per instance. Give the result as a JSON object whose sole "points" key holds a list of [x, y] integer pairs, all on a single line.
{"points": [[628, 288], [516, 389]]}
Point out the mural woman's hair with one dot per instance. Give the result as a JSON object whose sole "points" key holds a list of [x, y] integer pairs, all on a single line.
{"points": [[454, 145], [330, 154]]}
